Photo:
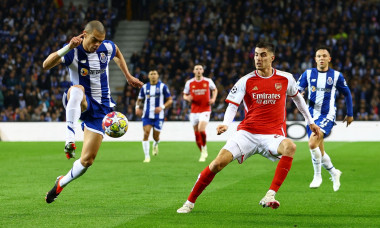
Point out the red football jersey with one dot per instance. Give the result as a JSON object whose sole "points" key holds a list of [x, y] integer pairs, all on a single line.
{"points": [[264, 100], [200, 91]]}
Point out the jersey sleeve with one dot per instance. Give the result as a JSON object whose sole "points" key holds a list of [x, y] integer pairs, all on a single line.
{"points": [[166, 91], [186, 90], [237, 93], [68, 58], [142, 93], [113, 51], [292, 89], [342, 87], [302, 82], [212, 84]]}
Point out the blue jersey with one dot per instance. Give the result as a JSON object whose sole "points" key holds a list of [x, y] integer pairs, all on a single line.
{"points": [[154, 96], [91, 71], [322, 88]]}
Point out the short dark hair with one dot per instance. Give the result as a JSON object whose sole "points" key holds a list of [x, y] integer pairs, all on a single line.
{"points": [[97, 25], [323, 47], [269, 46]]}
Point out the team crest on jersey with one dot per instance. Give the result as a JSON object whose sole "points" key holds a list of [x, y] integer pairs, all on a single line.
{"points": [[313, 89], [84, 72], [204, 85], [193, 86], [278, 86], [103, 57], [329, 81]]}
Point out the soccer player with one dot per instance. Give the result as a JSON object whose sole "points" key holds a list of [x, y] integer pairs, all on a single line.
{"points": [[154, 93], [89, 98], [322, 83], [263, 128], [197, 92]]}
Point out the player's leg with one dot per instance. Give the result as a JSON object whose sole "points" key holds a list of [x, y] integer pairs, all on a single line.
{"points": [[327, 164], [145, 143], [156, 135], [76, 104], [194, 120], [91, 145], [287, 149], [205, 177], [316, 158], [202, 131]]}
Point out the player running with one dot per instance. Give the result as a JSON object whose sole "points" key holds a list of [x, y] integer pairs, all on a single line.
{"points": [[89, 98], [153, 93], [322, 83], [262, 131], [197, 92]]}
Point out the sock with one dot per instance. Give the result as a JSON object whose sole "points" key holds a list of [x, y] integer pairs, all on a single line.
{"points": [[73, 111], [327, 164], [204, 179], [75, 172], [316, 157], [146, 145], [203, 137], [281, 172], [155, 143], [198, 139]]}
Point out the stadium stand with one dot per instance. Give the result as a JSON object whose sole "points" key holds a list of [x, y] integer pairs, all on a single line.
{"points": [[218, 34]]}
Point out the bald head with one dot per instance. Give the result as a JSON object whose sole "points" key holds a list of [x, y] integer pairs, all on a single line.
{"points": [[95, 25]]}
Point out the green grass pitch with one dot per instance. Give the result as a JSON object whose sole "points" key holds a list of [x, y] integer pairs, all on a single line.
{"points": [[121, 191]]}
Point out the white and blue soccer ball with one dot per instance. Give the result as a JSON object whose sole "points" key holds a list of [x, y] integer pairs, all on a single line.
{"points": [[115, 124]]}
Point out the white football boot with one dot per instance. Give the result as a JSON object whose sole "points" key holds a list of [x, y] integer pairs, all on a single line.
{"points": [[204, 154], [186, 208], [155, 150], [336, 179], [317, 181], [147, 160], [269, 200]]}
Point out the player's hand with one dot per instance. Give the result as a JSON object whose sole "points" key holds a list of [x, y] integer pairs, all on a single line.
{"points": [[349, 120], [220, 129], [211, 101], [76, 41], [157, 110], [314, 128], [189, 98], [134, 82], [139, 112]]}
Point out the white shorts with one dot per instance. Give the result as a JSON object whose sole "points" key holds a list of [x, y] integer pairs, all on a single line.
{"points": [[195, 118], [244, 144]]}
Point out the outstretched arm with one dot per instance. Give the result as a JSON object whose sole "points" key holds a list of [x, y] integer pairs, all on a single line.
{"points": [[301, 105], [55, 58], [120, 61], [229, 116]]}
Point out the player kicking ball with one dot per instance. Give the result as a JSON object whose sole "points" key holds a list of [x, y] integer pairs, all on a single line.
{"points": [[262, 131]]}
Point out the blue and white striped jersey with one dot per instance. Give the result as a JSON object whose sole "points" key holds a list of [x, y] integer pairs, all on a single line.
{"points": [[154, 96], [91, 71], [322, 88]]}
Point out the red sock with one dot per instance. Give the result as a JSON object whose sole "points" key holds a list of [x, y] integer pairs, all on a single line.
{"points": [[198, 139], [204, 179], [203, 136], [282, 170]]}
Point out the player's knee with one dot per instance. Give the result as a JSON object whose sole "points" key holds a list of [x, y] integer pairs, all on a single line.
{"points": [[87, 161], [156, 138], [290, 149], [218, 164]]}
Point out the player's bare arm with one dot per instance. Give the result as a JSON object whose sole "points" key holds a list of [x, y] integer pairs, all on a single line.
{"points": [[349, 120], [188, 97], [167, 104], [138, 109], [220, 129], [120, 61], [55, 58], [213, 96]]}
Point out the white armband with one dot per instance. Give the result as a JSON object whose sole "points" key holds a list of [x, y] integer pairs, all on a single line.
{"points": [[230, 113], [63, 51], [302, 107], [163, 107]]}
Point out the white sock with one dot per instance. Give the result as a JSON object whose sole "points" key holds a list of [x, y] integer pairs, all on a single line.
{"points": [[155, 143], [316, 157], [327, 164], [75, 172], [145, 145], [73, 112]]}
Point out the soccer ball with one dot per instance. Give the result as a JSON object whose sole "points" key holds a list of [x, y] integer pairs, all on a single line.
{"points": [[115, 124]]}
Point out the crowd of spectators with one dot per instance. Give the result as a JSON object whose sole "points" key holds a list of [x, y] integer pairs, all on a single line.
{"points": [[218, 34], [221, 35]]}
